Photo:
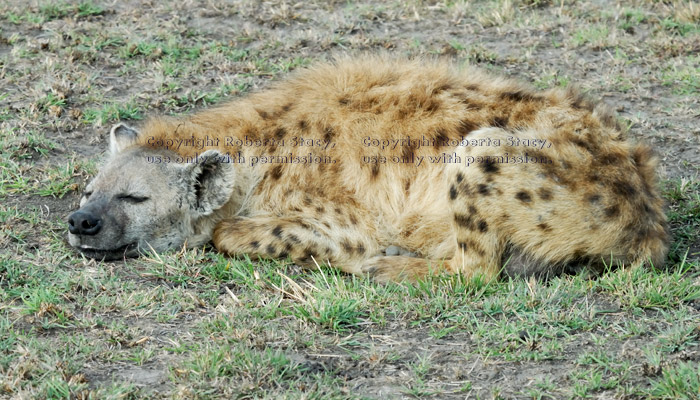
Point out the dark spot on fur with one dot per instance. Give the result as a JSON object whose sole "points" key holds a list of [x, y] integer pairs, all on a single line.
{"points": [[489, 167], [280, 133], [254, 244], [544, 193], [360, 248], [271, 250], [294, 239], [320, 209], [523, 196], [402, 113], [442, 88], [346, 246], [441, 139], [262, 114], [593, 198], [465, 127], [624, 189], [483, 226], [308, 256], [375, 171], [353, 219], [287, 107], [518, 95], [609, 159], [453, 192], [544, 227], [580, 143], [276, 172], [407, 185], [328, 133], [612, 211], [464, 221], [460, 177], [468, 244], [483, 189], [277, 231], [338, 210], [343, 101], [472, 87], [303, 125], [432, 106], [499, 122], [407, 152]]}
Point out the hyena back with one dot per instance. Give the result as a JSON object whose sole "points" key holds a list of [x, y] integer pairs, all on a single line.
{"points": [[465, 171]]}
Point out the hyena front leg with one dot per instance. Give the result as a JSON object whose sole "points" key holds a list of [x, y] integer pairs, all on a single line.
{"points": [[306, 241]]}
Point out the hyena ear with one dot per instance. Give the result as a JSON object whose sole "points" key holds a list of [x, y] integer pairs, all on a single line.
{"points": [[211, 179], [121, 136]]}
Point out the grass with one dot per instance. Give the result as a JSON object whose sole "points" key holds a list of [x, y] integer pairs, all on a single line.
{"points": [[679, 382], [195, 324], [683, 79], [684, 214], [113, 112], [247, 335], [595, 36]]}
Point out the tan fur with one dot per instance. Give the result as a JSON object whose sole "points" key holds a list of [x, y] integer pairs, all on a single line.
{"points": [[594, 198]]}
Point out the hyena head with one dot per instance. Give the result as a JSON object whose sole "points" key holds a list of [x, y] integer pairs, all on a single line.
{"points": [[143, 200]]}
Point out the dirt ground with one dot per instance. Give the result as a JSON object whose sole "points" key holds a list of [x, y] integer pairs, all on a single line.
{"points": [[68, 70]]}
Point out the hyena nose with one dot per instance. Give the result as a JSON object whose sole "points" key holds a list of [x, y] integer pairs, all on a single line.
{"points": [[84, 223]]}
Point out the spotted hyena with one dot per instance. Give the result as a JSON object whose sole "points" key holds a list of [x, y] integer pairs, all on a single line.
{"points": [[393, 168]]}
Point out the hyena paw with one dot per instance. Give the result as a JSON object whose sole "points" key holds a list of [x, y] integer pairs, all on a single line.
{"points": [[398, 251], [396, 268]]}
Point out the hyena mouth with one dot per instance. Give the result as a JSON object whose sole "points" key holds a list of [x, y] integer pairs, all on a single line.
{"points": [[109, 254]]}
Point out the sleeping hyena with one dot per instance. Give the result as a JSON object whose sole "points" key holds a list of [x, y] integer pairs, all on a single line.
{"points": [[448, 169]]}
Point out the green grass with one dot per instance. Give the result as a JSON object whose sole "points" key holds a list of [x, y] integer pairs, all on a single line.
{"points": [[49, 11], [683, 79], [684, 215], [679, 382], [631, 19], [678, 27], [595, 36], [112, 112]]}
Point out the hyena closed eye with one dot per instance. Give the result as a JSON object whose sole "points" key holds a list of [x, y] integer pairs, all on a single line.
{"points": [[389, 167]]}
